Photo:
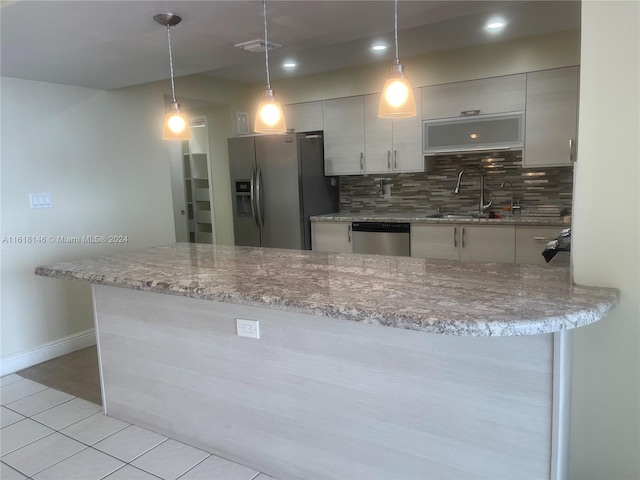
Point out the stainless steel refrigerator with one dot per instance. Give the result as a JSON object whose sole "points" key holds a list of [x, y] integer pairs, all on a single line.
{"points": [[278, 183]]}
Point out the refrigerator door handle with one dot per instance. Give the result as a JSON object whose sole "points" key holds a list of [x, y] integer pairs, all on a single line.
{"points": [[253, 197], [259, 202]]}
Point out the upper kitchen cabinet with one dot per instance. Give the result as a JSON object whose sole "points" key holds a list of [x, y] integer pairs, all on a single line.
{"points": [[344, 136], [391, 146], [305, 117], [475, 97], [551, 118]]}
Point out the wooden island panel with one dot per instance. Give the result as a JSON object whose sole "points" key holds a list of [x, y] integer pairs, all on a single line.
{"points": [[317, 397]]}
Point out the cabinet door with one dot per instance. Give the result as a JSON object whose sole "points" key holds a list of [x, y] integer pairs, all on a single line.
{"points": [[435, 241], [305, 117], [407, 141], [488, 95], [551, 118], [531, 241], [487, 243], [377, 137], [331, 237], [344, 136]]}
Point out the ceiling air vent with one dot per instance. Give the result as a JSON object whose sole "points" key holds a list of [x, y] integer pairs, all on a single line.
{"points": [[257, 46]]}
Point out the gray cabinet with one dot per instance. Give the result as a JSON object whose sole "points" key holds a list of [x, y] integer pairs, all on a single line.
{"points": [[358, 142], [391, 146], [331, 237], [304, 117], [487, 243], [531, 241], [435, 241], [551, 118], [476, 133], [485, 96], [344, 136], [472, 243]]}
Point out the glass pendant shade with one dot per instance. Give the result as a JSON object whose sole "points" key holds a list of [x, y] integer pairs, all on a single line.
{"points": [[269, 117], [397, 99], [176, 125]]}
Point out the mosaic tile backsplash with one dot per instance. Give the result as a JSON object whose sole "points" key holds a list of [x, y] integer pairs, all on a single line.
{"points": [[538, 191]]}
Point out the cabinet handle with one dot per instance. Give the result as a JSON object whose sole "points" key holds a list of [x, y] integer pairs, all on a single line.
{"points": [[395, 159], [361, 161], [455, 237], [349, 233], [388, 159], [540, 238], [469, 113], [463, 234], [571, 150]]}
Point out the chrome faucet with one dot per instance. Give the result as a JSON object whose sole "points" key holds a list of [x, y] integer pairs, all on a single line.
{"points": [[511, 185], [482, 206]]}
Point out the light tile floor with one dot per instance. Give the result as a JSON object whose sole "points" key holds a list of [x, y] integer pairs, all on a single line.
{"points": [[47, 435]]}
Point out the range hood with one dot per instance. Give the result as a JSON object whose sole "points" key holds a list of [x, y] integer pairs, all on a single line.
{"points": [[477, 133]]}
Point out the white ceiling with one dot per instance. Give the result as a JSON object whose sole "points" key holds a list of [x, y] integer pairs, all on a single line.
{"points": [[112, 44]]}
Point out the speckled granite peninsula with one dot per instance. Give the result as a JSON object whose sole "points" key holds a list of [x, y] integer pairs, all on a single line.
{"points": [[428, 295], [328, 390]]}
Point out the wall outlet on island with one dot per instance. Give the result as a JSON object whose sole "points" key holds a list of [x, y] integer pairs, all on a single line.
{"points": [[248, 328]]}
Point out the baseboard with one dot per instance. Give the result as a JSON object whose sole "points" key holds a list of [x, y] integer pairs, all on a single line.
{"points": [[62, 346]]}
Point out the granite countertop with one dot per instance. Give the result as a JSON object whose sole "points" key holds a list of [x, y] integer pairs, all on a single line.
{"points": [[424, 218], [436, 296]]}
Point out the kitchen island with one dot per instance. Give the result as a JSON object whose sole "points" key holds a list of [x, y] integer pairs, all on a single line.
{"points": [[471, 381]]}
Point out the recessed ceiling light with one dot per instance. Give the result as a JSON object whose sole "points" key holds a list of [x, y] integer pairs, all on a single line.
{"points": [[495, 25], [379, 48], [289, 65]]}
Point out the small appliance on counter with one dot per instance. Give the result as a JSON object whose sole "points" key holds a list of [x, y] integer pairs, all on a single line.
{"points": [[559, 248]]}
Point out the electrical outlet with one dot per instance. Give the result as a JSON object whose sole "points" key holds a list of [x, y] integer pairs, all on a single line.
{"points": [[248, 328]]}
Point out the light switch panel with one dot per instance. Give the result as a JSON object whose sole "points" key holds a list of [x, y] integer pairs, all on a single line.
{"points": [[41, 200]]}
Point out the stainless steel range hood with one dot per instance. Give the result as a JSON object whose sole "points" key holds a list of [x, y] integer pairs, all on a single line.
{"points": [[477, 133]]}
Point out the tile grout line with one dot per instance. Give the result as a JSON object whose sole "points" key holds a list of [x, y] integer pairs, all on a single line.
{"points": [[42, 411], [87, 446], [184, 473]]}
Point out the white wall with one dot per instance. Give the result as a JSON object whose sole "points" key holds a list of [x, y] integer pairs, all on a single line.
{"points": [[101, 156], [501, 58], [605, 425]]}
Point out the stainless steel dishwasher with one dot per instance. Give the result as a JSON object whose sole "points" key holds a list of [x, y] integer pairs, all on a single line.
{"points": [[382, 238]]}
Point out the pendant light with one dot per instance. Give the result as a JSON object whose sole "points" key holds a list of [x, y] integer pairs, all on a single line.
{"points": [[397, 100], [269, 117], [176, 125]]}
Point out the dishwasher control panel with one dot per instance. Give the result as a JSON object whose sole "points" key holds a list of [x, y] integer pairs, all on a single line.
{"points": [[391, 227]]}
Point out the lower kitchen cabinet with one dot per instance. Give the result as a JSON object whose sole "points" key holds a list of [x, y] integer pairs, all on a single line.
{"points": [[487, 243], [435, 241], [472, 243], [331, 237], [531, 241]]}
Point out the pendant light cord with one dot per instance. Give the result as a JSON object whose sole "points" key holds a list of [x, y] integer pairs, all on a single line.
{"points": [[173, 87], [396, 32], [266, 43]]}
